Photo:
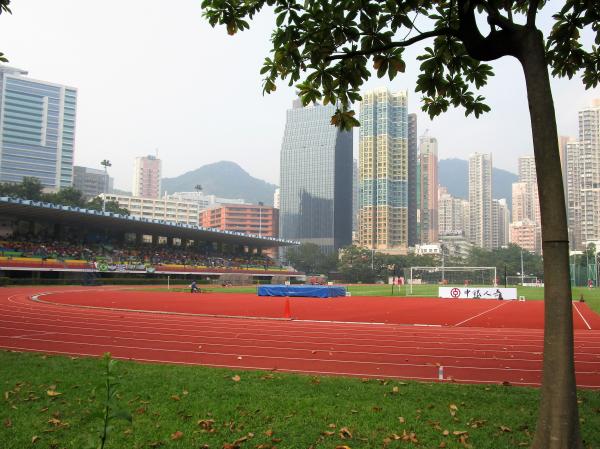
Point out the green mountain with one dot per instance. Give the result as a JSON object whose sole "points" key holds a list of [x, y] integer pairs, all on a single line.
{"points": [[224, 179], [454, 175]]}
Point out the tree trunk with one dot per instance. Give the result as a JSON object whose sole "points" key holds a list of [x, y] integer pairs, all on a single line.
{"points": [[558, 420]]}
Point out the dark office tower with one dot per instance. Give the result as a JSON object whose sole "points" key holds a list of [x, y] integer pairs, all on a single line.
{"points": [[413, 180], [316, 179]]}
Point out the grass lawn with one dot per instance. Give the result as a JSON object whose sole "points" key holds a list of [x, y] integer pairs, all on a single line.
{"points": [[50, 400]]}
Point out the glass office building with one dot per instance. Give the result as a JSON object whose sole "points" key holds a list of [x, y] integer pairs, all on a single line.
{"points": [[37, 129], [316, 179]]}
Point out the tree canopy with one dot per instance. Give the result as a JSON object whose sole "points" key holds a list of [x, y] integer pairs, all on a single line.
{"points": [[32, 189], [325, 48]]}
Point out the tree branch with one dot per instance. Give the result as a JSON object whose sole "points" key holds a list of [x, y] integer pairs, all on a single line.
{"points": [[493, 46], [374, 50], [532, 12], [495, 18]]}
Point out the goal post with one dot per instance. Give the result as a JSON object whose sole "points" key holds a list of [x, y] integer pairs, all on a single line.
{"points": [[424, 281]]}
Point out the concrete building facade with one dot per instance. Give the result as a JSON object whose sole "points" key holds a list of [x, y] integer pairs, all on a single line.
{"points": [[413, 181], [247, 218], [428, 191], [166, 209], [147, 176], [583, 183], [480, 200], [91, 181]]}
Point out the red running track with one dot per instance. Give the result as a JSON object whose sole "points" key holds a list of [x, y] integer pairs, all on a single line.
{"points": [[462, 340]]}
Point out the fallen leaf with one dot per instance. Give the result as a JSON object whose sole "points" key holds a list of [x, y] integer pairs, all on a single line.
{"points": [[7, 423], [327, 433], [401, 419], [269, 433], [505, 429], [155, 443], [55, 422], [53, 393], [395, 390], [177, 435], [460, 432], [276, 440], [342, 447], [345, 433], [240, 440], [207, 424], [176, 397], [442, 444], [34, 439], [236, 378], [230, 446]]}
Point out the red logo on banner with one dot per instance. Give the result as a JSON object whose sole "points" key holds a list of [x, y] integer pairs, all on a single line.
{"points": [[455, 292]]}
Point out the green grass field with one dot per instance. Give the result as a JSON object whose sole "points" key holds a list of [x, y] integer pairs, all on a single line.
{"points": [[591, 296], [50, 401]]}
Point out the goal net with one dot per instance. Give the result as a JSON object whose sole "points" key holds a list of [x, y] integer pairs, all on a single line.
{"points": [[425, 281], [529, 281]]}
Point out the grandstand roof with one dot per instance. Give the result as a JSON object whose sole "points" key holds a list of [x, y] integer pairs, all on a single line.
{"points": [[39, 210]]}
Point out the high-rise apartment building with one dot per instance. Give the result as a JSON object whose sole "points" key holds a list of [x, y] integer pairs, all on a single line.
{"points": [[452, 219], [147, 172], [315, 179], [500, 223], [480, 199], [413, 181], [37, 129], [91, 181], [383, 171], [355, 190], [583, 179], [428, 191]]}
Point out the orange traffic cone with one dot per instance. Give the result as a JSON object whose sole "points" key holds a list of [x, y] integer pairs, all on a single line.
{"points": [[286, 312]]}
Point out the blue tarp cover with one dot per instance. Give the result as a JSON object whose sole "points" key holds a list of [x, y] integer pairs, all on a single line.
{"points": [[314, 291]]}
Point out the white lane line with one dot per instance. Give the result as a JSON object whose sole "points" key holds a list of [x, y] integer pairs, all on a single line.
{"points": [[584, 320], [482, 313], [283, 337], [285, 370]]}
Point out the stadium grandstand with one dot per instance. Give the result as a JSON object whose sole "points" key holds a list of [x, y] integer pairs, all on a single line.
{"points": [[51, 243]]}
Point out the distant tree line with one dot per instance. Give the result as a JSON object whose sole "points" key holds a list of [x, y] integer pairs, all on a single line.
{"points": [[354, 264], [32, 189]]}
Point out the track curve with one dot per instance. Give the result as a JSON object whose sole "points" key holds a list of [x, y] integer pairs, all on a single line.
{"points": [[459, 353]]}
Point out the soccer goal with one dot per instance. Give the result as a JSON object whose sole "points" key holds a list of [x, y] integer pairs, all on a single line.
{"points": [[425, 281], [528, 281]]}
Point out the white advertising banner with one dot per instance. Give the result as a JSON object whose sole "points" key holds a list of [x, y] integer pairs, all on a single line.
{"points": [[478, 293]]}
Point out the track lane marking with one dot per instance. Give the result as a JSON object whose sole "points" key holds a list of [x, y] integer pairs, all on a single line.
{"points": [[482, 313], [584, 320]]}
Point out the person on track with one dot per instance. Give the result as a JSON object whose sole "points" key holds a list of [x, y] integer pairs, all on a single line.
{"points": [[194, 287]]}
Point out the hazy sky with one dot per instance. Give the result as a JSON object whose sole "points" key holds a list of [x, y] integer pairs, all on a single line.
{"points": [[153, 74]]}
